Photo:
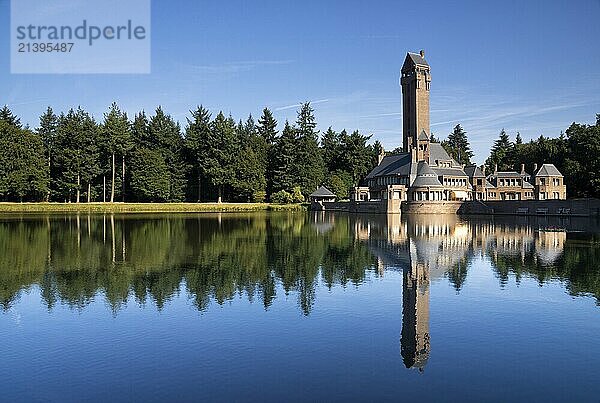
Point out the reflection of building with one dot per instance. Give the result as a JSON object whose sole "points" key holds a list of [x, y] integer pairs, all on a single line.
{"points": [[414, 339], [430, 247]]}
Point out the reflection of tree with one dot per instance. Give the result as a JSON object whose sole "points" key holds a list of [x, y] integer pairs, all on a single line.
{"points": [[212, 258], [457, 273], [74, 259]]}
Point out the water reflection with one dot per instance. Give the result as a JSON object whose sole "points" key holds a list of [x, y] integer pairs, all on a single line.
{"points": [[75, 259]]}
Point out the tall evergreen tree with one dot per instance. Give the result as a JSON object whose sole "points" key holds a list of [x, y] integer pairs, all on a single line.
{"points": [[458, 146], [200, 145], [222, 174], [149, 176], [117, 141], [24, 174], [500, 153], [331, 145], [356, 155], [309, 168], [267, 130], [48, 132], [283, 164], [165, 136], [7, 116], [76, 153]]}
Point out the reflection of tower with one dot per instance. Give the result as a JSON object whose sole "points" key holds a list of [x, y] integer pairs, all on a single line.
{"points": [[414, 340]]}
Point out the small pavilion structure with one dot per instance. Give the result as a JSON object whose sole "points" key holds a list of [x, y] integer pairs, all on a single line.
{"points": [[322, 194]]}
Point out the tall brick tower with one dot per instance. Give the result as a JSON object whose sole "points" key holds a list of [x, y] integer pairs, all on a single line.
{"points": [[415, 81]]}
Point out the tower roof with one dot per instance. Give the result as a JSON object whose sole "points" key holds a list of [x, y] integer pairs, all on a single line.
{"points": [[423, 135], [416, 59]]}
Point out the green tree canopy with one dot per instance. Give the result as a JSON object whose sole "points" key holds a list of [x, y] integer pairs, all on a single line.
{"points": [[458, 146]]}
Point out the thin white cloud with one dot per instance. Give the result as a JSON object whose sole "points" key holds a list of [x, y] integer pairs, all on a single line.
{"points": [[236, 67], [283, 108]]}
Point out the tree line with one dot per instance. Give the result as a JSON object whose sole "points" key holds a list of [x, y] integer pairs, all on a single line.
{"points": [[70, 157], [576, 154]]}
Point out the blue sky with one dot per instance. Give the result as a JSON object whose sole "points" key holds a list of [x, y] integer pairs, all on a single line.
{"points": [[527, 66]]}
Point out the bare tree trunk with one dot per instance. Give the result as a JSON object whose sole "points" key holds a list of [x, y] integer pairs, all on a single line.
{"points": [[112, 184], [49, 167], [199, 187], [123, 180], [104, 189], [89, 195], [220, 200], [78, 186]]}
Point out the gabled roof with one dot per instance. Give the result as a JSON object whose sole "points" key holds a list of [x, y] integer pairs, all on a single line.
{"points": [[322, 191], [417, 59], [423, 135], [398, 164], [488, 184], [548, 170], [473, 171]]}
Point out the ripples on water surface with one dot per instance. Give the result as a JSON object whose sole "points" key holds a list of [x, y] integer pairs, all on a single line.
{"points": [[298, 307]]}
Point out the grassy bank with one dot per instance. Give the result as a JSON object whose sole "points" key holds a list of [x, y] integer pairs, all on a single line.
{"points": [[144, 207]]}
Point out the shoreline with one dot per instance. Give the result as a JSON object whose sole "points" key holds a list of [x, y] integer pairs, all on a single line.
{"points": [[99, 207]]}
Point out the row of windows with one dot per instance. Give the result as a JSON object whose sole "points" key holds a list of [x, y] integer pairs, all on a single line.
{"points": [[455, 182], [555, 181], [511, 196], [390, 180], [546, 195], [509, 182]]}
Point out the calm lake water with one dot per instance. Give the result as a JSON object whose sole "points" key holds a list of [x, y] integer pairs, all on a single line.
{"points": [[298, 307]]}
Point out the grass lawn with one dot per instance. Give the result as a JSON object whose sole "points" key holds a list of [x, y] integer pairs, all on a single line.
{"points": [[144, 207]]}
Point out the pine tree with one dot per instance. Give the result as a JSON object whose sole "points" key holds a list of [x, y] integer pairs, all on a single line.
{"points": [[283, 164], [165, 136], [7, 116], [500, 153], [267, 130], [309, 169], [23, 171], [356, 155], [76, 154], [332, 149], [199, 143], [48, 132], [149, 176], [458, 146], [117, 141], [518, 139], [224, 152]]}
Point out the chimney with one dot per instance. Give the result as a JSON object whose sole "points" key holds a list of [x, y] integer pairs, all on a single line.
{"points": [[522, 168], [483, 169], [422, 53], [534, 168], [413, 154], [380, 156], [496, 169]]}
